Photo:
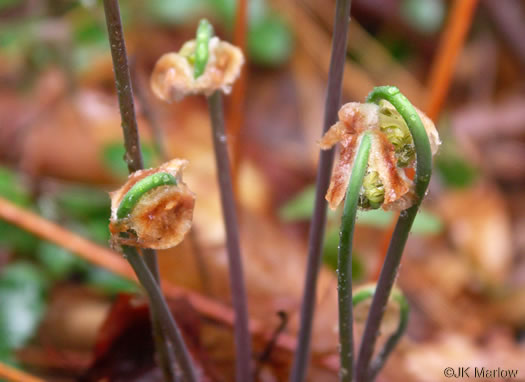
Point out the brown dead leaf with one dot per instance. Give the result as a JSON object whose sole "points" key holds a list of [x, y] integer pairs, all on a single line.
{"points": [[480, 229], [427, 362]]}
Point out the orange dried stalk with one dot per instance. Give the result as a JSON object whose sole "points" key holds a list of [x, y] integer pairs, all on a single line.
{"points": [[354, 119], [173, 75], [163, 215]]}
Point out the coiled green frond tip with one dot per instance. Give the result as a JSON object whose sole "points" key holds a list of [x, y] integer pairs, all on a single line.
{"points": [[416, 129], [394, 126], [140, 188], [390, 90], [367, 292], [373, 193], [202, 39]]}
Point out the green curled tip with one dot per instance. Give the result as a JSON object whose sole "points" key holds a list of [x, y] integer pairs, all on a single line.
{"points": [[367, 292], [404, 312], [373, 193], [204, 34], [394, 126], [362, 294], [138, 190], [417, 130]]}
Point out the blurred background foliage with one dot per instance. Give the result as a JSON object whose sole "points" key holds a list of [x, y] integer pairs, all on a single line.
{"points": [[25, 283]]}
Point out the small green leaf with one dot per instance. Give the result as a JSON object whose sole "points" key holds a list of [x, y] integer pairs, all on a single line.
{"points": [[97, 229], [225, 9], [23, 274], [10, 40], [7, 356], [110, 283], [22, 294], [300, 207], [425, 15], [12, 237], [174, 12], [15, 239], [375, 218], [8, 3], [58, 262], [89, 31], [270, 41], [330, 253], [83, 202], [426, 223], [453, 168], [11, 188], [82, 56], [113, 154]]}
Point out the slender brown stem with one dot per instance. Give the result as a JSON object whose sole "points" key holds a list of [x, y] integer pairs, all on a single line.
{"points": [[384, 286], [133, 157], [160, 307], [450, 46], [326, 159], [238, 291], [166, 358]]}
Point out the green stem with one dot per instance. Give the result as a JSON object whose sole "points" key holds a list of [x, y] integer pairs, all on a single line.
{"points": [[324, 171], [403, 226], [160, 307], [344, 266], [404, 311], [238, 290]]}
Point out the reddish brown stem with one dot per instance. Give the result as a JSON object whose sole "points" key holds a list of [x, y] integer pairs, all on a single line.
{"points": [[326, 159], [133, 158], [450, 47], [238, 290]]}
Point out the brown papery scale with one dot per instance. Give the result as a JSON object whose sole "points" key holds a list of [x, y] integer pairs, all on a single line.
{"points": [[162, 216], [354, 120], [173, 76]]}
